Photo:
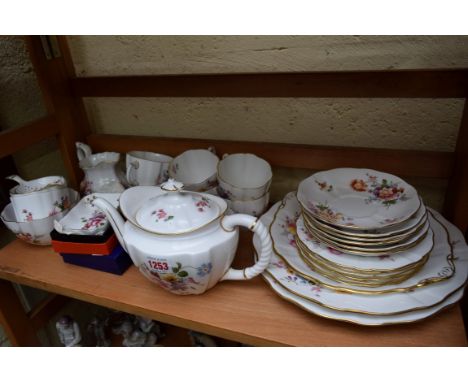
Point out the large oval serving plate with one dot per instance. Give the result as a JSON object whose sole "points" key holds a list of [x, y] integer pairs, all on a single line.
{"points": [[356, 318], [358, 199]]}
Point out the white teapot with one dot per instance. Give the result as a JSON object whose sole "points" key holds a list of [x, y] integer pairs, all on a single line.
{"points": [[182, 240]]}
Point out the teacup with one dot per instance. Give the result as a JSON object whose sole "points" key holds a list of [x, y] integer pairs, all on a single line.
{"points": [[35, 231], [41, 204], [196, 169], [243, 177], [146, 168], [254, 207]]}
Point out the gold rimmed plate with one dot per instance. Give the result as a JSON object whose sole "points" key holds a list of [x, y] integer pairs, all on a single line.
{"points": [[363, 241], [355, 278], [370, 250], [356, 318], [369, 264], [358, 199], [402, 228]]}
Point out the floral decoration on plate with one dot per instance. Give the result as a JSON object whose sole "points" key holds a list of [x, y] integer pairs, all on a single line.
{"points": [[386, 191], [324, 212], [358, 199]]}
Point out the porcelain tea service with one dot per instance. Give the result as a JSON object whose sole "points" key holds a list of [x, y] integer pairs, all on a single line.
{"points": [[100, 170], [182, 240], [147, 168]]}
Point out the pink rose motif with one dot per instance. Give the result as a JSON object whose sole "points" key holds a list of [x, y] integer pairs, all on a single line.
{"points": [[201, 204], [28, 216], [161, 214]]}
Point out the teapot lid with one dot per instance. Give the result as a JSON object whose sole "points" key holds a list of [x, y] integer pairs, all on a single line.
{"points": [[176, 211]]}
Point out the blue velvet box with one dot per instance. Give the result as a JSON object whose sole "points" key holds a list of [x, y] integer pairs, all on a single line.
{"points": [[117, 262]]}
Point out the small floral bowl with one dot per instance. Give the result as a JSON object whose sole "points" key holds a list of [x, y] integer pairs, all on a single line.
{"points": [[34, 231]]}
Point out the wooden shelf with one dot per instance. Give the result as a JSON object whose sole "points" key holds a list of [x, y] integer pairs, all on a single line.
{"points": [[244, 311]]}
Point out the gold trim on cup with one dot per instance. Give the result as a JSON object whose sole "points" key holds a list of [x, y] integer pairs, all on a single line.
{"points": [[267, 183], [198, 185]]}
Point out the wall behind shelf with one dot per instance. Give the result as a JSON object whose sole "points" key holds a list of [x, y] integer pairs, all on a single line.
{"points": [[423, 124], [391, 123], [388, 123], [20, 103]]}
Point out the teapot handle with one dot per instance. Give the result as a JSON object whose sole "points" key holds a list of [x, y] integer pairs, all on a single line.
{"points": [[228, 223]]}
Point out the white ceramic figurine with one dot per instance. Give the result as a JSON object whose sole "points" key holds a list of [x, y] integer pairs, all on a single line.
{"points": [[68, 331]]}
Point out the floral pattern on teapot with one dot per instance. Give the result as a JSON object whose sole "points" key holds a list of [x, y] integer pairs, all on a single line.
{"points": [[202, 203], [179, 279], [161, 214]]}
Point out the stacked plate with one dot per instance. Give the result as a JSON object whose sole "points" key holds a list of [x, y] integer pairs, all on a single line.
{"points": [[359, 245]]}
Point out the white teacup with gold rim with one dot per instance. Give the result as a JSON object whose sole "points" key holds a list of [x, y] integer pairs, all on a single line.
{"points": [[243, 177], [196, 169], [35, 231], [41, 204], [254, 207], [182, 240], [145, 168]]}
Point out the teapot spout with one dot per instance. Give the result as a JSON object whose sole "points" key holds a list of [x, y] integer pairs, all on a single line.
{"points": [[115, 220]]}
